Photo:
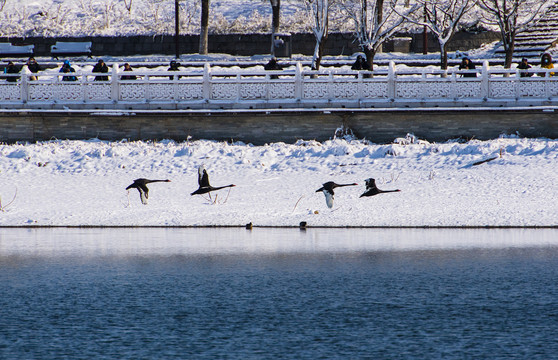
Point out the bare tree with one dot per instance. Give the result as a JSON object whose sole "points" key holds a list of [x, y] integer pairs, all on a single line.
{"points": [[275, 12], [4, 207], [513, 17], [443, 18], [2, 3], [375, 22], [204, 26], [128, 5], [319, 10]]}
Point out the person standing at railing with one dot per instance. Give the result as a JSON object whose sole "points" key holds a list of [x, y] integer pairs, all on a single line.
{"points": [[360, 64], [546, 63], [66, 69], [34, 67], [467, 64], [127, 67], [101, 67], [273, 65], [173, 67], [11, 69], [524, 65]]}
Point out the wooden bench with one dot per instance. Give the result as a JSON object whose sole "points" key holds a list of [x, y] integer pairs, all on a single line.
{"points": [[7, 49], [62, 48]]}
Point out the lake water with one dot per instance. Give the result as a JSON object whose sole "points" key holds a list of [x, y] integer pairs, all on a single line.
{"points": [[278, 293]]}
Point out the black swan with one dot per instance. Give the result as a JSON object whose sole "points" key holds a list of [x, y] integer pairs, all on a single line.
{"points": [[141, 185], [203, 181], [372, 189], [327, 189]]}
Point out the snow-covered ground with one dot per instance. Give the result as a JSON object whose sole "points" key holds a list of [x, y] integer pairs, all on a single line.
{"points": [[83, 183], [154, 17], [150, 17]]}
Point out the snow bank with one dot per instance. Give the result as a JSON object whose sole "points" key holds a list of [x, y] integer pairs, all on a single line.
{"points": [[83, 183]]}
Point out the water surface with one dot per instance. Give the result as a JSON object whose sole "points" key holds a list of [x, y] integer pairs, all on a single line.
{"points": [[283, 293]]}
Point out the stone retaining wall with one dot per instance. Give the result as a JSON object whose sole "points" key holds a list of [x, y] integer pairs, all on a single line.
{"points": [[243, 44], [379, 126]]}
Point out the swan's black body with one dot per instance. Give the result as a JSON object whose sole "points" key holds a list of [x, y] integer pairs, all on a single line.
{"points": [[372, 189], [327, 189], [141, 185], [203, 181]]}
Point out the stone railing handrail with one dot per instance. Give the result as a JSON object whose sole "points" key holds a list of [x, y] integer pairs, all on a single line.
{"points": [[295, 87]]}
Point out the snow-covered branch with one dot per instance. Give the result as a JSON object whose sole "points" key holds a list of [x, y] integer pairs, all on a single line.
{"points": [[4, 207], [376, 22], [443, 18], [513, 17], [319, 10]]}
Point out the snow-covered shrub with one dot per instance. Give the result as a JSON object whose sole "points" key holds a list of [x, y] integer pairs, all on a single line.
{"points": [[297, 22], [410, 139], [254, 23], [156, 17]]}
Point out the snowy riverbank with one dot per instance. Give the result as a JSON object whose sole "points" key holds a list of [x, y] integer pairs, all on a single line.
{"points": [[83, 183]]}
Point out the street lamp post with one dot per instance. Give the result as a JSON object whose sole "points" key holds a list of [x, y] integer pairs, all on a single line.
{"points": [[176, 29], [425, 34]]}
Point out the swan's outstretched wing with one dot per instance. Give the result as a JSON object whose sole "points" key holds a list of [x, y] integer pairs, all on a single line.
{"points": [[370, 183], [144, 194], [328, 197], [134, 184], [203, 177], [371, 188]]}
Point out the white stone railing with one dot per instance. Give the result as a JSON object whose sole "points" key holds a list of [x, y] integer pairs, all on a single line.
{"points": [[209, 88]]}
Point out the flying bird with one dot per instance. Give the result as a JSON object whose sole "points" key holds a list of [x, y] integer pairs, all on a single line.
{"points": [[372, 189], [327, 189], [141, 185], [203, 181]]}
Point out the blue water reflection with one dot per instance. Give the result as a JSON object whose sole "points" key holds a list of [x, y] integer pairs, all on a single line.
{"points": [[278, 293], [172, 241]]}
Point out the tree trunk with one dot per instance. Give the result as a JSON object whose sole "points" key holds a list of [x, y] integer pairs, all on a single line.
{"points": [[275, 12], [425, 40], [321, 14], [364, 17], [318, 53], [204, 26], [379, 11], [509, 54], [443, 57], [369, 53]]}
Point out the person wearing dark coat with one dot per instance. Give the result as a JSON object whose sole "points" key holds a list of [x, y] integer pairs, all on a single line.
{"points": [[100, 67], [546, 63], [173, 67], [11, 69], [467, 64], [127, 67], [273, 65], [524, 65], [360, 64], [34, 67], [67, 68]]}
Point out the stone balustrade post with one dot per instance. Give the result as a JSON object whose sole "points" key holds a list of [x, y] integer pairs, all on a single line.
{"points": [[485, 86], [206, 86], [391, 80], [115, 83], [24, 84], [453, 87], [299, 79]]}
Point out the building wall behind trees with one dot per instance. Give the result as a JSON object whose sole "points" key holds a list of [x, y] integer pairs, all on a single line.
{"points": [[244, 44]]}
